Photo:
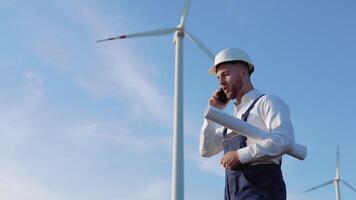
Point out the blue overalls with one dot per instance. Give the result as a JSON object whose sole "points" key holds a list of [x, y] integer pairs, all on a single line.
{"points": [[251, 182]]}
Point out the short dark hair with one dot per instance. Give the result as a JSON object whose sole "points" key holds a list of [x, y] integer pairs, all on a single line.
{"points": [[234, 62]]}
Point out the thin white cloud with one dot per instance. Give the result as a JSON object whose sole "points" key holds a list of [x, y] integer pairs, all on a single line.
{"points": [[104, 70], [192, 127], [135, 83], [158, 190], [211, 165], [15, 127], [16, 121], [123, 137], [17, 184], [16, 188], [33, 87], [19, 128]]}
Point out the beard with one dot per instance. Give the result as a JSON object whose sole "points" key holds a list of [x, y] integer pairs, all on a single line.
{"points": [[235, 90]]}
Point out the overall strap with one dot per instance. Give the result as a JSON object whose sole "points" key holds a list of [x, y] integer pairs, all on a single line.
{"points": [[245, 115], [244, 118]]}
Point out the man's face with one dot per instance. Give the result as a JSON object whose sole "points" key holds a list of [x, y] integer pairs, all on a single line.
{"points": [[229, 76]]}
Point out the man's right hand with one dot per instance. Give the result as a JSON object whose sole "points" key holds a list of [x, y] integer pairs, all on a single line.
{"points": [[214, 101]]}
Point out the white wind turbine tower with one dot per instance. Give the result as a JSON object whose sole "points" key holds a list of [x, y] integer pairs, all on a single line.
{"points": [[336, 180], [178, 151]]}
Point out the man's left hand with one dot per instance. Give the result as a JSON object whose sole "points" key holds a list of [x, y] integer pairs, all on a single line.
{"points": [[230, 160]]}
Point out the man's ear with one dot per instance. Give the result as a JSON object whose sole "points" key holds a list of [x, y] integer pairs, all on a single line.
{"points": [[244, 75]]}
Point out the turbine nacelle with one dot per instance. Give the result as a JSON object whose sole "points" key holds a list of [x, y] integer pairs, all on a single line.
{"points": [[178, 31], [336, 180]]}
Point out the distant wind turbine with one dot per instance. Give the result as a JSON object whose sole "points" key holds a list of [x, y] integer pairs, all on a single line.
{"points": [[336, 180], [178, 151]]}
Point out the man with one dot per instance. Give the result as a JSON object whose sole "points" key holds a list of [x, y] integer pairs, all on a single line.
{"points": [[252, 167]]}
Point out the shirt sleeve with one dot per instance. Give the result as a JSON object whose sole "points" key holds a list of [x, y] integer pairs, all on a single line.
{"points": [[211, 135], [275, 114]]}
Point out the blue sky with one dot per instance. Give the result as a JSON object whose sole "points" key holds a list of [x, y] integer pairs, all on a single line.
{"points": [[81, 120]]}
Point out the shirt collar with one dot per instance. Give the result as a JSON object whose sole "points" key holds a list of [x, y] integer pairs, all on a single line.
{"points": [[248, 97]]}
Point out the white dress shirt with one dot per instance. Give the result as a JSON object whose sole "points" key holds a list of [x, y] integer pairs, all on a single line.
{"points": [[270, 114]]}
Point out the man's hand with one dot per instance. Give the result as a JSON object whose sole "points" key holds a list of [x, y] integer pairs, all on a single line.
{"points": [[214, 101], [230, 160]]}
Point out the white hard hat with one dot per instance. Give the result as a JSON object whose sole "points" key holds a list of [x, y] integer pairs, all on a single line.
{"points": [[231, 54]]}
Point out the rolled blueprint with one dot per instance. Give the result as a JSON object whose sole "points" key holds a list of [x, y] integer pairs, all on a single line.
{"points": [[298, 151]]}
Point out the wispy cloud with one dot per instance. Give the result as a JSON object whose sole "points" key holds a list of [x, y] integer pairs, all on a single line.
{"points": [[16, 188], [208, 165], [21, 128], [15, 127], [104, 70], [16, 124], [16, 184], [211, 165], [123, 137], [159, 189], [33, 87]]}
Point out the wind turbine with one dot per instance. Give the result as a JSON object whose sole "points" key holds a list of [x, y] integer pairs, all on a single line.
{"points": [[178, 151], [336, 180]]}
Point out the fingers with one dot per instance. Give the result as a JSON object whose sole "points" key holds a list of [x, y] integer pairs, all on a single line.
{"points": [[214, 99], [215, 94], [222, 162], [230, 160], [225, 163]]}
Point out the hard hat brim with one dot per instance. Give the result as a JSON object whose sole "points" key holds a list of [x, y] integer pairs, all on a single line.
{"points": [[212, 70]]}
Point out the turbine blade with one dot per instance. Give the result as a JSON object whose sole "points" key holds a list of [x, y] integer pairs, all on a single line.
{"points": [[319, 186], [348, 185], [337, 162], [200, 44], [157, 32], [185, 11]]}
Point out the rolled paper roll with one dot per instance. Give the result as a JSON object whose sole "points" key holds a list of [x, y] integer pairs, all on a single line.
{"points": [[298, 151]]}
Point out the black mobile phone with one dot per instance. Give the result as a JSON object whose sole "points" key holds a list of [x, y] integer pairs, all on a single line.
{"points": [[222, 96]]}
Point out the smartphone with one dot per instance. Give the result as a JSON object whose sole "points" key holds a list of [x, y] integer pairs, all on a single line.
{"points": [[222, 96]]}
